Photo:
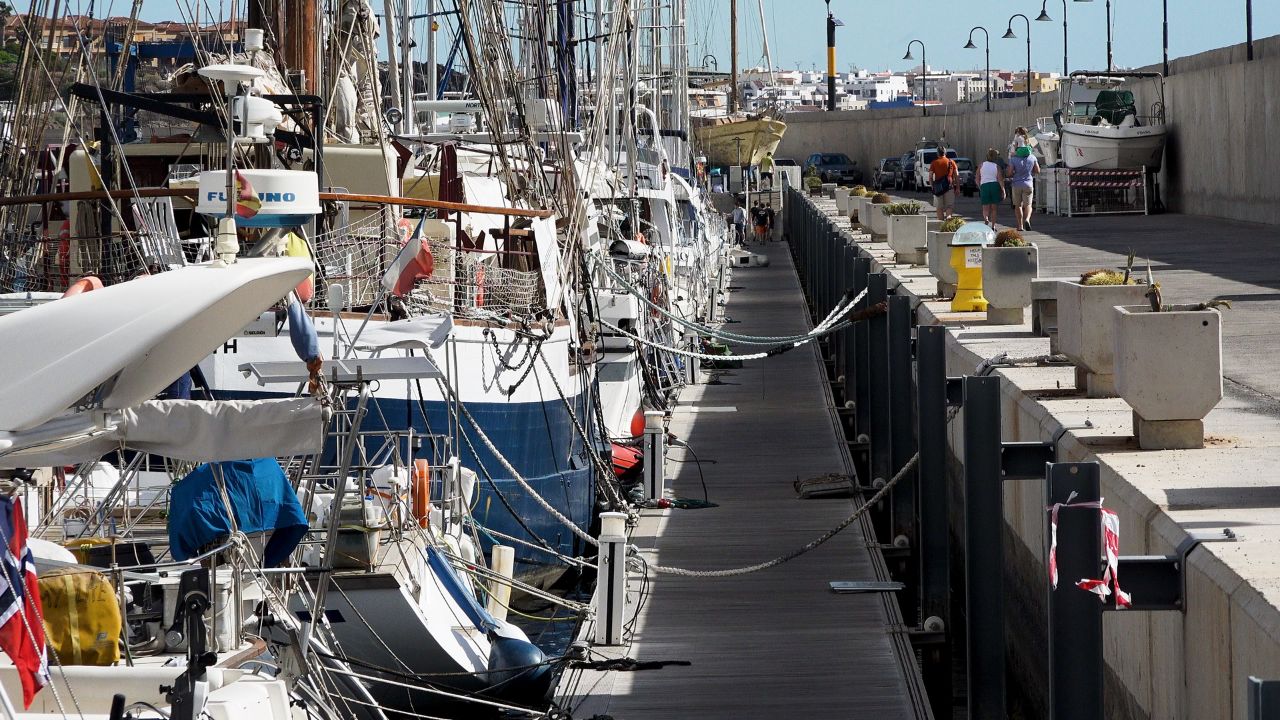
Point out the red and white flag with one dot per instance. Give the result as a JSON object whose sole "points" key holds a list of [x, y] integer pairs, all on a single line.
{"points": [[413, 263]]}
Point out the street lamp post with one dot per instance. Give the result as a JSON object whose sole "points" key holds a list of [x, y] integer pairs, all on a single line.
{"points": [[971, 46], [1044, 17], [924, 74], [1165, 7], [1008, 34]]}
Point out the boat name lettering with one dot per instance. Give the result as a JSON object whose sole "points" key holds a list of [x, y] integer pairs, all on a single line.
{"points": [[273, 197]]}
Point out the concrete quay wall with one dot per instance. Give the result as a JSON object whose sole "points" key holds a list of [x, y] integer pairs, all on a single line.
{"points": [[1189, 665], [1222, 112]]}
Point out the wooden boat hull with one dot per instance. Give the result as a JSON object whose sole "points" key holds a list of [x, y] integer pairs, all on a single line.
{"points": [[720, 142]]}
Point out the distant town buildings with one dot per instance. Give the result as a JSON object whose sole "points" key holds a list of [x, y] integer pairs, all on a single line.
{"points": [[802, 90]]}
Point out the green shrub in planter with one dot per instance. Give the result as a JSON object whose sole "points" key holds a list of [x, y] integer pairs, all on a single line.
{"points": [[1009, 238], [952, 224], [902, 208]]}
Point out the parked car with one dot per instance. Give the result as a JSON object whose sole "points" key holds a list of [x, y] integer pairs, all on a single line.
{"points": [[924, 156], [886, 175], [968, 178], [906, 171], [834, 167]]}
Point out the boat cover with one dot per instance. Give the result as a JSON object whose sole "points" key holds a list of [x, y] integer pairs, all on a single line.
{"points": [[190, 430], [261, 499], [143, 333]]}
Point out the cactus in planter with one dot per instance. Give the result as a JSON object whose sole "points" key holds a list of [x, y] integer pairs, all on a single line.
{"points": [[952, 224], [1105, 277], [1009, 238], [902, 208], [880, 199], [859, 190]]}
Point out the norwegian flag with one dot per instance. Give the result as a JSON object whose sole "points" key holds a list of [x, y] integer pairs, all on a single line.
{"points": [[21, 627]]}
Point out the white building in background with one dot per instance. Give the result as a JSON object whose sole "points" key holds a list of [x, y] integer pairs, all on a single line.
{"points": [[761, 89], [874, 87]]}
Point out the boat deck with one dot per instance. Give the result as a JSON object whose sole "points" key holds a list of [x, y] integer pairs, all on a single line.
{"points": [[775, 643]]}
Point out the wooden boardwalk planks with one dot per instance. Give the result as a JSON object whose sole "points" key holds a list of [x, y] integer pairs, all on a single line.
{"points": [[776, 643]]}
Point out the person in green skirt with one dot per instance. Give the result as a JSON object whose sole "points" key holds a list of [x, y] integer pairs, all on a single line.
{"points": [[990, 188]]}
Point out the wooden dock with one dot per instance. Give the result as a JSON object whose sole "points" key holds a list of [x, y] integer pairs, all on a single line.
{"points": [[776, 643]]}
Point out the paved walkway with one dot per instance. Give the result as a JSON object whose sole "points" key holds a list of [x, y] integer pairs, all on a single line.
{"points": [[778, 643]]}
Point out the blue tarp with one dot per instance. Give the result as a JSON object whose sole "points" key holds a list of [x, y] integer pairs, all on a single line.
{"points": [[261, 498]]}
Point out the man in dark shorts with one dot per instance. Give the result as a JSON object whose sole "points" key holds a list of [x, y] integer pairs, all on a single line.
{"points": [[768, 221]]}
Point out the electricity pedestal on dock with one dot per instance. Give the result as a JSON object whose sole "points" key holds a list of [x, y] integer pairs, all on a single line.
{"points": [[611, 582], [655, 451]]}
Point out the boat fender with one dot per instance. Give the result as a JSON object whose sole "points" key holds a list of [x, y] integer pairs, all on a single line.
{"points": [[302, 333], [421, 484], [528, 680], [83, 285]]}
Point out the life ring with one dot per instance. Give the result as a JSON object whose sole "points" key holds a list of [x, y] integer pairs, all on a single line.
{"points": [[83, 285], [420, 487]]}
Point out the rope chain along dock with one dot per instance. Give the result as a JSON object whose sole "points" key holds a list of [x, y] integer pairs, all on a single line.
{"points": [[747, 570]]}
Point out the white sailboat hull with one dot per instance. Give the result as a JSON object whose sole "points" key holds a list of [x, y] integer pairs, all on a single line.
{"points": [[1102, 147]]}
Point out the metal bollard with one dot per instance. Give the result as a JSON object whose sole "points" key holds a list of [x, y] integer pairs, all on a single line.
{"points": [[691, 364], [611, 580], [655, 453]]}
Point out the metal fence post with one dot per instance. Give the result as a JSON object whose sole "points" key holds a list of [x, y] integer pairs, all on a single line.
{"points": [[935, 534], [878, 388], [984, 552], [861, 336], [1075, 616], [902, 446]]}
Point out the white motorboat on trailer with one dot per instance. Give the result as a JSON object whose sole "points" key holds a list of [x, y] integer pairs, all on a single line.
{"points": [[1099, 126]]}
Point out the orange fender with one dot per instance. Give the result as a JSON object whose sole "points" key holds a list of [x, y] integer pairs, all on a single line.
{"points": [[421, 489], [83, 285]]}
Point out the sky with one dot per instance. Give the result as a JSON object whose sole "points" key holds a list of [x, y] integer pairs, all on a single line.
{"points": [[875, 34]]}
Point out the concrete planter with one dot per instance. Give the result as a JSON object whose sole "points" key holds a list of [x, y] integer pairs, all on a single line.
{"points": [[858, 204], [1044, 309], [842, 201], [1168, 367], [907, 237], [1007, 273], [877, 222], [829, 190], [1086, 331], [940, 262]]}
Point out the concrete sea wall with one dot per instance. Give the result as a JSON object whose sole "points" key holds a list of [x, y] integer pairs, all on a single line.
{"points": [[1223, 113]]}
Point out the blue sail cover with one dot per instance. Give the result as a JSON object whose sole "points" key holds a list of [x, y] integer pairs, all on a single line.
{"points": [[261, 498]]}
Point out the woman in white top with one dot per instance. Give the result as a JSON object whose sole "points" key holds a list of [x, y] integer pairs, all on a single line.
{"points": [[990, 189]]}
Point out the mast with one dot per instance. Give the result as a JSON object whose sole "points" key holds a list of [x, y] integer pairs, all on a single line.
{"points": [[296, 26], [393, 64], [733, 56]]}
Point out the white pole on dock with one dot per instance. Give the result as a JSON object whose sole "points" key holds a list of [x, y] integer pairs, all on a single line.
{"points": [[611, 579], [655, 452], [502, 560]]}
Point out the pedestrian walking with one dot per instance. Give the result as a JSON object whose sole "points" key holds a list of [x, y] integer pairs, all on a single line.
{"points": [[990, 189], [1022, 170], [769, 218], [758, 221], [739, 223], [943, 174]]}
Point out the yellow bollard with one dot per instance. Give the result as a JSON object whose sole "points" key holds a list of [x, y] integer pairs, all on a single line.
{"points": [[966, 258], [967, 261]]}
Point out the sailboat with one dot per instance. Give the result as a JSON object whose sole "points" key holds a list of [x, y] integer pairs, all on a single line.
{"points": [[730, 136]]}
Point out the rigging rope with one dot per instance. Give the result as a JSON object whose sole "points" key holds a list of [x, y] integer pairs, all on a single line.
{"points": [[841, 307]]}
